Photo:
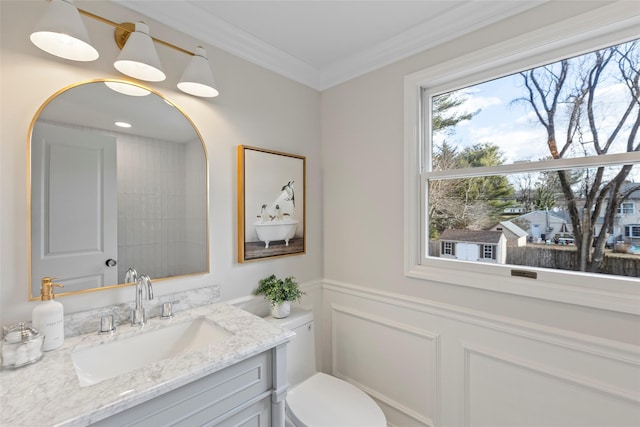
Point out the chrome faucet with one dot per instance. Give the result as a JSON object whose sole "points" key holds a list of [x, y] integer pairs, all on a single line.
{"points": [[143, 287]]}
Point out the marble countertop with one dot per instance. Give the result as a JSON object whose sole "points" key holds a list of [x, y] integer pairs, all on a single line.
{"points": [[48, 392]]}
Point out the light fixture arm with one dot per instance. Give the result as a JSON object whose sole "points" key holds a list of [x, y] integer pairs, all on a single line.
{"points": [[123, 30]]}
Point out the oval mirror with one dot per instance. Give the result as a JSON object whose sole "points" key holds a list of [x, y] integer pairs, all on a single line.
{"points": [[118, 180]]}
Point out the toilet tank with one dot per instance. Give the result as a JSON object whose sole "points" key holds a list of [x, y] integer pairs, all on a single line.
{"points": [[301, 352]]}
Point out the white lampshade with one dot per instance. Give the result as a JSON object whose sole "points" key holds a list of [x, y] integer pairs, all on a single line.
{"points": [[197, 78], [62, 33], [138, 58]]}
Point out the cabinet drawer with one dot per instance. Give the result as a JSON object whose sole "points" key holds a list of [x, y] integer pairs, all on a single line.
{"points": [[203, 400], [256, 415]]}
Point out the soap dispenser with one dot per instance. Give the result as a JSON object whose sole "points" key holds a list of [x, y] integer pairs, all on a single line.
{"points": [[48, 316]]}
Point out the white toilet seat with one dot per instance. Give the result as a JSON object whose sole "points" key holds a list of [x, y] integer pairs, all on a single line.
{"points": [[326, 401]]}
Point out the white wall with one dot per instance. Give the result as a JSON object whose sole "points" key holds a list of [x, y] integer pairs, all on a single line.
{"points": [[256, 107], [434, 353]]}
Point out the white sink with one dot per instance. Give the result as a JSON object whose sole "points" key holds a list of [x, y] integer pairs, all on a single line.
{"points": [[110, 359]]}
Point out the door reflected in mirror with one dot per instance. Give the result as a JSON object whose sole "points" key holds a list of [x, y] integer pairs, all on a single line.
{"points": [[117, 181]]}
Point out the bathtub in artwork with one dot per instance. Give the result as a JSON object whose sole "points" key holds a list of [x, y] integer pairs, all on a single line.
{"points": [[272, 231]]}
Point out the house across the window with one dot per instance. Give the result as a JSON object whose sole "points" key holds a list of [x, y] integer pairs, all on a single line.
{"points": [[474, 245], [515, 235]]}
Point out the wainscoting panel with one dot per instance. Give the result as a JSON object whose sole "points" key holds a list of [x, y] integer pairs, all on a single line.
{"points": [[366, 351], [502, 389], [431, 364]]}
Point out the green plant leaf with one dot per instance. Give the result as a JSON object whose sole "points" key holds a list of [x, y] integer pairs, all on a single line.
{"points": [[278, 290]]}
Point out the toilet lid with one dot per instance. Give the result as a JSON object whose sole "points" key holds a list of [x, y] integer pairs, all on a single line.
{"points": [[323, 400]]}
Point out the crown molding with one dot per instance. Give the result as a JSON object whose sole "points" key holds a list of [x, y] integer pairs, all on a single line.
{"points": [[455, 22], [219, 33]]}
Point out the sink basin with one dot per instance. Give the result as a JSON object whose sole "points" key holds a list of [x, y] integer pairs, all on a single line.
{"points": [[108, 360]]}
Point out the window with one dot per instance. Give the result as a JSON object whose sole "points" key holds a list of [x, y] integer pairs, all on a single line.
{"points": [[541, 139], [448, 248], [488, 252], [632, 231], [625, 208], [482, 173]]}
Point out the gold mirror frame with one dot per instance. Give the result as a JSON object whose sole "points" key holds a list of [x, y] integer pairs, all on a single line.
{"points": [[34, 285]]}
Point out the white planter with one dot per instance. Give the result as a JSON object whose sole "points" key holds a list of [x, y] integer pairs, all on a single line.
{"points": [[282, 310]]}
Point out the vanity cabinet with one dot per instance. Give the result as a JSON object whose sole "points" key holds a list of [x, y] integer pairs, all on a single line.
{"points": [[240, 380], [243, 394]]}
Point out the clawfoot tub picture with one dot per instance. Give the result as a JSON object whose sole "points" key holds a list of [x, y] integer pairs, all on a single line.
{"points": [[271, 204]]}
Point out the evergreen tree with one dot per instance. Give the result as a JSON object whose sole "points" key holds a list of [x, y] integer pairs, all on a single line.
{"points": [[470, 203], [446, 114]]}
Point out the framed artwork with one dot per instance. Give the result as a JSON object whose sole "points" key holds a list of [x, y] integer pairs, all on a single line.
{"points": [[271, 204]]}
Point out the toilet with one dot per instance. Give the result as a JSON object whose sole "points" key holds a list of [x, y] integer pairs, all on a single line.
{"points": [[316, 399]]}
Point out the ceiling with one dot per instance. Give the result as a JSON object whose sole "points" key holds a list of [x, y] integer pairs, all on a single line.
{"points": [[321, 43], [93, 105]]}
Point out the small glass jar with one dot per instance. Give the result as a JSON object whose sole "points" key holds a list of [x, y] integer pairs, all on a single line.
{"points": [[21, 346]]}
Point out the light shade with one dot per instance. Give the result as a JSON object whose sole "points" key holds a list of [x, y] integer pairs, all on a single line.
{"points": [[197, 78], [62, 33], [138, 58]]}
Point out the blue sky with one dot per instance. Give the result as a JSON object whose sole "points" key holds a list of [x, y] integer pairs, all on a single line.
{"points": [[510, 125], [514, 127]]}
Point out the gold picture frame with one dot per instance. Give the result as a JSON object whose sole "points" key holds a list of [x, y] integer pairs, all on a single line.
{"points": [[271, 204]]}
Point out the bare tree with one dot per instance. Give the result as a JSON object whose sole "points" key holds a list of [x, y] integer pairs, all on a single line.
{"points": [[576, 87]]}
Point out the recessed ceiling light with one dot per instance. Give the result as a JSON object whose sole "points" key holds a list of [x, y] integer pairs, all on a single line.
{"points": [[123, 124]]}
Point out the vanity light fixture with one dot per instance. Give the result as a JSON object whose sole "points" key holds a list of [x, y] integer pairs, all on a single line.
{"points": [[197, 78], [138, 58], [122, 124], [62, 33]]}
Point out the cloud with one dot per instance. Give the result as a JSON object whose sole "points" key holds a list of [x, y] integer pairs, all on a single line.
{"points": [[527, 119], [515, 144], [475, 103]]}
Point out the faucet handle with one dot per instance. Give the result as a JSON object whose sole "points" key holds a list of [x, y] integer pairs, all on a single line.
{"points": [[167, 310], [107, 325]]}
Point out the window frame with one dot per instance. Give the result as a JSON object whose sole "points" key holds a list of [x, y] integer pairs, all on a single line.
{"points": [[629, 231], [605, 26], [448, 248], [622, 208], [490, 249]]}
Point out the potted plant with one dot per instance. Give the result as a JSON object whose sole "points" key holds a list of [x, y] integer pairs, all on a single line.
{"points": [[280, 293]]}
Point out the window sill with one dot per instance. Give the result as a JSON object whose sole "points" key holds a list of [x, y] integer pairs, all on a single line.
{"points": [[617, 294]]}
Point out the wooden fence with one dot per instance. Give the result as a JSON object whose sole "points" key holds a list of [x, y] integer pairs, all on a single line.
{"points": [[561, 259]]}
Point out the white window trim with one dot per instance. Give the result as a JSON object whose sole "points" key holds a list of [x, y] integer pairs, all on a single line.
{"points": [[605, 26], [621, 208], [448, 248], [491, 249]]}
